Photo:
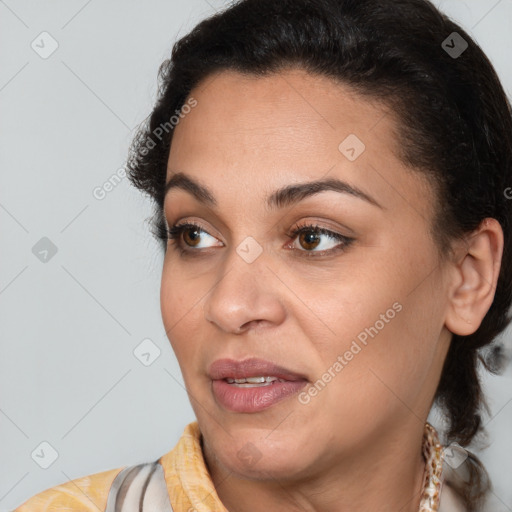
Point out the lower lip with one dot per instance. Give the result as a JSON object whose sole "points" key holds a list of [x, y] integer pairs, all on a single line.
{"points": [[239, 399]]}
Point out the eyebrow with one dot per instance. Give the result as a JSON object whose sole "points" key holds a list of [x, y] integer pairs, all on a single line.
{"points": [[280, 198]]}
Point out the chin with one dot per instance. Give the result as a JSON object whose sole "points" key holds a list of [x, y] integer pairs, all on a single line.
{"points": [[250, 454], [264, 465]]}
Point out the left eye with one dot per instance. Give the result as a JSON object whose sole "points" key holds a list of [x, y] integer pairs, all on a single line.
{"points": [[310, 236]]}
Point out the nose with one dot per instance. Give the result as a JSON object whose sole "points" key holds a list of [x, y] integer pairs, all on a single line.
{"points": [[246, 296]]}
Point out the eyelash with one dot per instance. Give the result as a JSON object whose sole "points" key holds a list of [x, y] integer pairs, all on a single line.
{"points": [[174, 234]]}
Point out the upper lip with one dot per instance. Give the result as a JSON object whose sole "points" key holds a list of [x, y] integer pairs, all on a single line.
{"points": [[253, 367]]}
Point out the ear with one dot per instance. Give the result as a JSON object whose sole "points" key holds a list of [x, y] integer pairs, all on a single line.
{"points": [[475, 276]]}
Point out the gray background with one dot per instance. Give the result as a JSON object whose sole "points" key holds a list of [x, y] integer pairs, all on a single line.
{"points": [[69, 325]]}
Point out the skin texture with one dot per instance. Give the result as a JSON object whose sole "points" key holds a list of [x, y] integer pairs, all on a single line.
{"points": [[356, 445]]}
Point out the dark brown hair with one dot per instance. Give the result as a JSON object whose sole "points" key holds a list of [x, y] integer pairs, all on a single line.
{"points": [[455, 128]]}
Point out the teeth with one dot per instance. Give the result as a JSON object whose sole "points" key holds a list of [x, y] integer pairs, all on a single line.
{"points": [[250, 382], [256, 380]]}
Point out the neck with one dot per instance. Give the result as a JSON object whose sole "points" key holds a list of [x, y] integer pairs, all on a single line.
{"points": [[386, 476]]}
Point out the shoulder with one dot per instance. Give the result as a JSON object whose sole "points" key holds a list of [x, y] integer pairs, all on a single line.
{"points": [[87, 493], [116, 490], [450, 500]]}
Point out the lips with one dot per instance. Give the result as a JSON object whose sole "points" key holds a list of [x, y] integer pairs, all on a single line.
{"points": [[252, 385], [231, 369]]}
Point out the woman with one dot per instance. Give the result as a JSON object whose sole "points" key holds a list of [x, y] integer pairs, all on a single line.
{"points": [[338, 252]]}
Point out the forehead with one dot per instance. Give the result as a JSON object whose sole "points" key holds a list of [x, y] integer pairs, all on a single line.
{"points": [[251, 133], [290, 111]]}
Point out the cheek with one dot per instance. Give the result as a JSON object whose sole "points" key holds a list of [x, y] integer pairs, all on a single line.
{"points": [[384, 359], [181, 307], [385, 329]]}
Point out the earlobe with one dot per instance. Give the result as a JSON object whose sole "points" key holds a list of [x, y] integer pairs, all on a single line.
{"points": [[475, 278]]}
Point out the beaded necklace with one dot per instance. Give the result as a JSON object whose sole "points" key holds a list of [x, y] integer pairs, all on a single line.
{"points": [[433, 454]]}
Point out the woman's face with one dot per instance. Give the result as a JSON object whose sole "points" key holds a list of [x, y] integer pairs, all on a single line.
{"points": [[355, 323]]}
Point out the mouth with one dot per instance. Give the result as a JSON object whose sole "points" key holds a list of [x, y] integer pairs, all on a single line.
{"points": [[252, 385], [251, 371], [254, 382]]}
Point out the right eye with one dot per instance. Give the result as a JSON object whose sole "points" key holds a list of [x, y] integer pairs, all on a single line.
{"points": [[192, 234]]}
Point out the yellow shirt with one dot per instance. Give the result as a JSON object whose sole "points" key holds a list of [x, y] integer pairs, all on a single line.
{"points": [[187, 480]]}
